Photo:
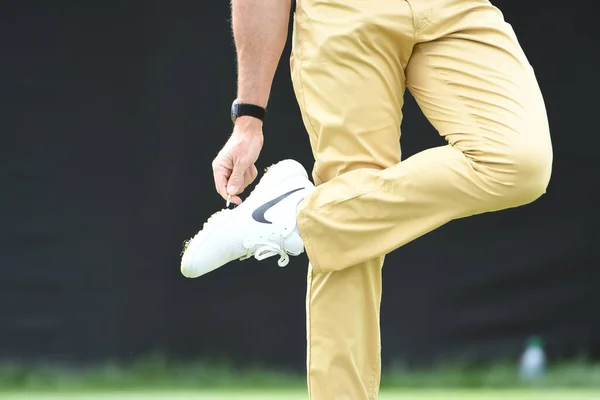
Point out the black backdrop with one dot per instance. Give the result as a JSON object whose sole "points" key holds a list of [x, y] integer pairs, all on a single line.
{"points": [[111, 114]]}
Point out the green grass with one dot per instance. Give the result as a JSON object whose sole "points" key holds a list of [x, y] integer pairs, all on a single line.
{"points": [[300, 395], [155, 374]]}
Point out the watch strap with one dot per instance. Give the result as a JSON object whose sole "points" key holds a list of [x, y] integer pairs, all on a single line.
{"points": [[240, 109]]}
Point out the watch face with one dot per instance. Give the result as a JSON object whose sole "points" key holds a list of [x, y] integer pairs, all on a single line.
{"points": [[234, 111]]}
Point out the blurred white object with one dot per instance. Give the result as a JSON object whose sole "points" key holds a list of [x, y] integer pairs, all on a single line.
{"points": [[533, 360]]}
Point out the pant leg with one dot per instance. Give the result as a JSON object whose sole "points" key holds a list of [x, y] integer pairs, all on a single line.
{"points": [[348, 76], [474, 83], [343, 338]]}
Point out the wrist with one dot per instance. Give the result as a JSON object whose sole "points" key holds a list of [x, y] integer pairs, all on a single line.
{"points": [[252, 111], [246, 123], [259, 101]]}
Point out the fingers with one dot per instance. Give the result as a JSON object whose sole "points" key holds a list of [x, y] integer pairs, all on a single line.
{"points": [[250, 175], [236, 200], [221, 176], [228, 181], [235, 184], [234, 166], [253, 173], [221, 185]]}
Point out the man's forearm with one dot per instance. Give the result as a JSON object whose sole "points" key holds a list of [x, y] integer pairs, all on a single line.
{"points": [[260, 31]]}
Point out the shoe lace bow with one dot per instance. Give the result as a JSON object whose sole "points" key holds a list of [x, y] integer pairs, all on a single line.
{"points": [[265, 249]]}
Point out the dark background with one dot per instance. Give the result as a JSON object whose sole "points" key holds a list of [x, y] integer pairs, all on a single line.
{"points": [[112, 112]]}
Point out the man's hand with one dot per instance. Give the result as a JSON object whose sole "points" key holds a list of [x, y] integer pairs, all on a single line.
{"points": [[234, 168]]}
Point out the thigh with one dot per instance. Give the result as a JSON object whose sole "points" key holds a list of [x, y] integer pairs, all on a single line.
{"points": [[474, 83], [347, 65]]}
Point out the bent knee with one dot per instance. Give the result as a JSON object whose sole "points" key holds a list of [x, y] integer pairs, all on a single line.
{"points": [[523, 175], [533, 171]]}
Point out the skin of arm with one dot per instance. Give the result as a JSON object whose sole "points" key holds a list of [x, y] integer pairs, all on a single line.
{"points": [[260, 29]]}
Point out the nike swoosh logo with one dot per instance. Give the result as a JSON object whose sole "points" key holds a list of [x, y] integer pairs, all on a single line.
{"points": [[259, 213]]}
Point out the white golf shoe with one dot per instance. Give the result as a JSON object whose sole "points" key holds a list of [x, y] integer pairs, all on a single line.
{"points": [[264, 225]]}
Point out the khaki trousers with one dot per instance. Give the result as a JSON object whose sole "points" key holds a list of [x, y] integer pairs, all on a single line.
{"points": [[351, 62]]}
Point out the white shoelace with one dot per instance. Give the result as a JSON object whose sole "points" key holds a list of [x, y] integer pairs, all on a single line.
{"points": [[265, 250]]}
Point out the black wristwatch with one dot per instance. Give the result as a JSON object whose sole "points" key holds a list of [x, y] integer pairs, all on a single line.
{"points": [[239, 109]]}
